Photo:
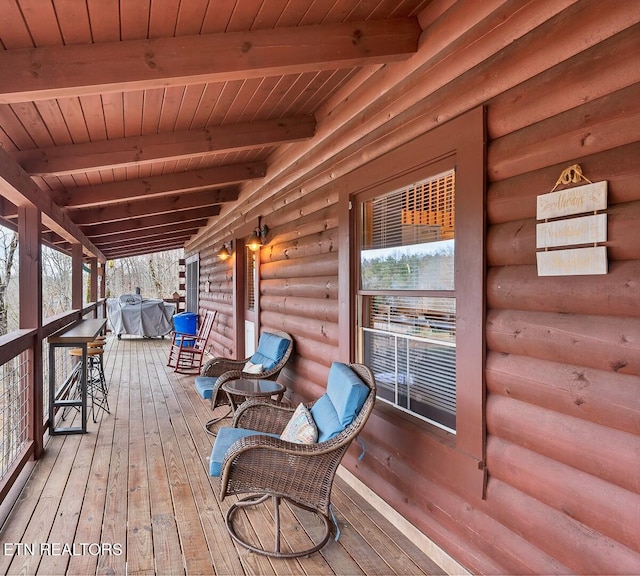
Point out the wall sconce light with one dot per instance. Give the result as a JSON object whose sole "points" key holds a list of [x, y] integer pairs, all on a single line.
{"points": [[258, 237], [225, 252]]}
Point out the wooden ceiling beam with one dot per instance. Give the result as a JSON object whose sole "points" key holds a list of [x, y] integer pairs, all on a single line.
{"points": [[138, 250], [136, 209], [198, 215], [206, 197], [149, 189], [155, 205], [149, 245], [118, 242], [120, 237], [19, 189], [137, 150], [51, 72], [191, 180]]}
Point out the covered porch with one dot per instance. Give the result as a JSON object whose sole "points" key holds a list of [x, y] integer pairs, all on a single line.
{"points": [[133, 495]]}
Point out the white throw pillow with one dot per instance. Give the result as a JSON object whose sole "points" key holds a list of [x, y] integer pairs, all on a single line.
{"points": [[301, 428], [251, 368]]}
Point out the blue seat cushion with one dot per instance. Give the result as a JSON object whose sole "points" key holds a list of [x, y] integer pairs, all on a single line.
{"points": [[346, 391], [224, 440], [205, 386], [326, 418], [271, 349]]}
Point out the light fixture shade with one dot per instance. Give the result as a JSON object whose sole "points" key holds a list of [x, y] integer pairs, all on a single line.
{"points": [[254, 242], [258, 237], [224, 253]]}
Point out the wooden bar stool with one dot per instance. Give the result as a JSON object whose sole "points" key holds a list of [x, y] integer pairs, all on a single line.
{"points": [[96, 381]]}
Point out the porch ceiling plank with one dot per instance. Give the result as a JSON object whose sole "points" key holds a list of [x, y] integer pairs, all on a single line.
{"points": [[184, 216], [75, 70], [168, 204], [17, 187]]}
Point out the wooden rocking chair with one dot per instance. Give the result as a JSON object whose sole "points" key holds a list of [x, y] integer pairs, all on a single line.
{"points": [[187, 350]]}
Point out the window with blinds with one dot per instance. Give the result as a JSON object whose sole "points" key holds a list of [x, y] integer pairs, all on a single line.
{"points": [[250, 275], [192, 283], [407, 302]]}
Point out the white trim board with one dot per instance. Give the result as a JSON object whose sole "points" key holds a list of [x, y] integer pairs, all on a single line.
{"points": [[430, 548]]}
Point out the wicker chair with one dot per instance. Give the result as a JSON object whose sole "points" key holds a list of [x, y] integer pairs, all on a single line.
{"points": [[217, 371], [266, 467]]}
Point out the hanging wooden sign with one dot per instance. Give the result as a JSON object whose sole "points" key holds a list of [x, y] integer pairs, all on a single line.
{"points": [[573, 261], [572, 227], [579, 200], [572, 231]]}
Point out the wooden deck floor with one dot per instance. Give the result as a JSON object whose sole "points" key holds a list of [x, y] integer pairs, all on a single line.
{"points": [[133, 495]]}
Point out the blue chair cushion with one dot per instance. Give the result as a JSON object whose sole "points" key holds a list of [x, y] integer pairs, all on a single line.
{"points": [[271, 349], [326, 418], [205, 386], [224, 440], [346, 391]]}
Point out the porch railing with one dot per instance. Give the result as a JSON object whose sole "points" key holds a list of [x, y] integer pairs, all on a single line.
{"points": [[24, 382]]}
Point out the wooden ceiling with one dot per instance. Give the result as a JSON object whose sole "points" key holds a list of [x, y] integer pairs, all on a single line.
{"points": [[140, 118]]}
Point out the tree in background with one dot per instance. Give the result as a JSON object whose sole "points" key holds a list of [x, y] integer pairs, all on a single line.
{"points": [[9, 247], [157, 275], [56, 282]]}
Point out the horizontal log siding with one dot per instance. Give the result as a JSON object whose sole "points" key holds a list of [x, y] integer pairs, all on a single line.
{"points": [[299, 286], [560, 81], [219, 298], [563, 368]]}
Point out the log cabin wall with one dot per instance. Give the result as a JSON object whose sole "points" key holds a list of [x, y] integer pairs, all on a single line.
{"points": [[216, 293], [560, 81]]}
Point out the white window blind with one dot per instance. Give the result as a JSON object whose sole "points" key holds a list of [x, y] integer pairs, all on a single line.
{"points": [[408, 339], [250, 275], [193, 278]]}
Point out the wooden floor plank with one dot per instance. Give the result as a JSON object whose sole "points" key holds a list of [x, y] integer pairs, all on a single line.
{"points": [[139, 545], [93, 505], [66, 519], [38, 531], [138, 482], [397, 562], [114, 528], [360, 508], [166, 540], [223, 553], [192, 538], [22, 512]]}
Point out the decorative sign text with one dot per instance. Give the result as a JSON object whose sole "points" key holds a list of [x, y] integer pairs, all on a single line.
{"points": [[587, 198], [567, 229], [573, 261], [572, 231]]}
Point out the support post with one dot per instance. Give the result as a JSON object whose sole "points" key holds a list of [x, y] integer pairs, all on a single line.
{"points": [[30, 281]]}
